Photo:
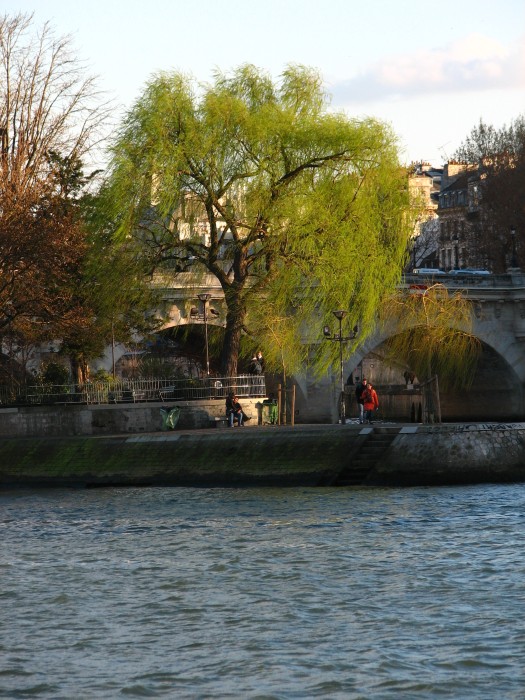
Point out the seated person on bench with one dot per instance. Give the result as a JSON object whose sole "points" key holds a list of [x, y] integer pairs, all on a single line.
{"points": [[233, 410]]}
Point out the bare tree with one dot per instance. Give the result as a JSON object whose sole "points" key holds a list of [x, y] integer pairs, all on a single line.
{"points": [[46, 103], [500, 157], [51, 116]]}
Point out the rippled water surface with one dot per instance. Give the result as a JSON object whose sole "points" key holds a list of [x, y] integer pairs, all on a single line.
{"points": [[263, 593]]}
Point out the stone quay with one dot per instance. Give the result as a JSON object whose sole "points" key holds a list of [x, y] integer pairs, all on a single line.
{"points": [[83, 454]]}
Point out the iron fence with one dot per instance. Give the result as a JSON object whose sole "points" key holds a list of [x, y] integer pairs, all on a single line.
{"points": [[134, 390]]}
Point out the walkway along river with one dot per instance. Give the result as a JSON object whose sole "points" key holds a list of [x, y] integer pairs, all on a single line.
{"points": [[308, 455]]}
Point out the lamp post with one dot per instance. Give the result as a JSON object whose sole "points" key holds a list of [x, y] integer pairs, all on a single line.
{"points": [[113, 348], [455, 240], [205, 297], [338, 337], [514, 257]]}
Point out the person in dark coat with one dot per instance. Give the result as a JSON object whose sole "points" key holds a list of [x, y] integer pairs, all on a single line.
{"points": [[255, 366], [255, 370], [234, 410], [359, 391]]}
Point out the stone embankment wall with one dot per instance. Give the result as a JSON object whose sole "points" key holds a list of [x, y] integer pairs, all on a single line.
{"points": [[269, 456], [107, 419], [453, 454]]}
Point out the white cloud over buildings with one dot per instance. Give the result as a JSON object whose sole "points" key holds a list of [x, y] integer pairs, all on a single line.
{"points": [[475, 63]]}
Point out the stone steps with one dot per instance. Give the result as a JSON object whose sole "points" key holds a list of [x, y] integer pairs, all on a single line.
{"points": [[366, 459]]}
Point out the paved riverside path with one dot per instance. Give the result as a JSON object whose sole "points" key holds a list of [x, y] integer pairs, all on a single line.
{"points": [[302, 455]]}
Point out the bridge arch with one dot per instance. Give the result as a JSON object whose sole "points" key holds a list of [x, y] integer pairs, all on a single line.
{"points": [[496, 392]]}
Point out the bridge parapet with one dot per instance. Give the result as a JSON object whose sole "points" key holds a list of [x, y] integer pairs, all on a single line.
{"points": [[498, 304], [509, 280]]}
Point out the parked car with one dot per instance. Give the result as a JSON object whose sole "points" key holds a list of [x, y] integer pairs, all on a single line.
{"points": [[469, 271], [427, 271]]}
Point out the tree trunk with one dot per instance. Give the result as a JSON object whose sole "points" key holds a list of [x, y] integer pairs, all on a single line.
{"points": [[232, 338], [79, 369]]}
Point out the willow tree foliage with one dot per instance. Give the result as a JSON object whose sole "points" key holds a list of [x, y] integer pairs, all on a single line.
{"points": [[294, 209], [116, 288], [432, 333]]}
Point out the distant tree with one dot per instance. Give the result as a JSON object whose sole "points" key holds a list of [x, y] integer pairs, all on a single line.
{"points": [[47, 123], [258, 184], [485, 142], [118, 290], [500, 154], [48, 106], [50, 118], [40, 248]]}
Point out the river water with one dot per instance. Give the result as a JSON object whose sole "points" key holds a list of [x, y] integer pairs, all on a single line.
{"points": [[263, 593]]}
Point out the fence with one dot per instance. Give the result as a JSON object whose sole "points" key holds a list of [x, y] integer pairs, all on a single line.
{"points": [[99, 392]]}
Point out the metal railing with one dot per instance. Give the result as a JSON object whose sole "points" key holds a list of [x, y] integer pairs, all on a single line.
{"points": [[501, 281], [134, 390]]}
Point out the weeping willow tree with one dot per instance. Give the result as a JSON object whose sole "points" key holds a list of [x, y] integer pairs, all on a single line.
{"points": [[433, 335], [284, 351], [295, 210]]}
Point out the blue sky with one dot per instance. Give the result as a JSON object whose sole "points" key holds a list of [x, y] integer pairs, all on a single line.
{"points": [[431, 70]]}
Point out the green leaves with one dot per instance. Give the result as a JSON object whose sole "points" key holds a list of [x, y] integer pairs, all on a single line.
{"points": [[294, 209], [432, 332]]}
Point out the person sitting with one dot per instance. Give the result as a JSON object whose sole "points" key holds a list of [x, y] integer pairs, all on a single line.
{"points": [[233, 410]]}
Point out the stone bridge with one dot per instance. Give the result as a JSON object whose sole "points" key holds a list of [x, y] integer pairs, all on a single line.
{"points": [[499, 314], [498, 390], [499, 322]]}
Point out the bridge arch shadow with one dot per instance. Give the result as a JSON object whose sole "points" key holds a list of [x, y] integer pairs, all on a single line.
{"points": [[496, 392]]}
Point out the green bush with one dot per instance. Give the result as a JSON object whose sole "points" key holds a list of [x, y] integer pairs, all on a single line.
{"points": [[54, 373]]}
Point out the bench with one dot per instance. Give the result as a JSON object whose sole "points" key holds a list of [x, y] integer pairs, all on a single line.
{"points": [[168, 392]]}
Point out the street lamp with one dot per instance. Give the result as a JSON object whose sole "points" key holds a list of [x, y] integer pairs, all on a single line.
{"points": [[113, 348], [514, 257], [338, 337], [205, 297]]}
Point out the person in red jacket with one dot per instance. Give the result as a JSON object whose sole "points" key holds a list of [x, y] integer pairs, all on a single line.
{"points": [[371, 402]]}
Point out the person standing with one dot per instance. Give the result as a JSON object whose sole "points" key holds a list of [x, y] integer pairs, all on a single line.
{"points": [[255, 366], [370, 402], [255, 370], [359, 391]]}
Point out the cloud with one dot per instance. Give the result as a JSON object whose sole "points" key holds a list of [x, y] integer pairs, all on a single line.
{"points": [[475, 63]]}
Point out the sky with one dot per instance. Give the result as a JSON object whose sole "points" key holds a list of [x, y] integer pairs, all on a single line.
{"points": [[430, 70]]}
